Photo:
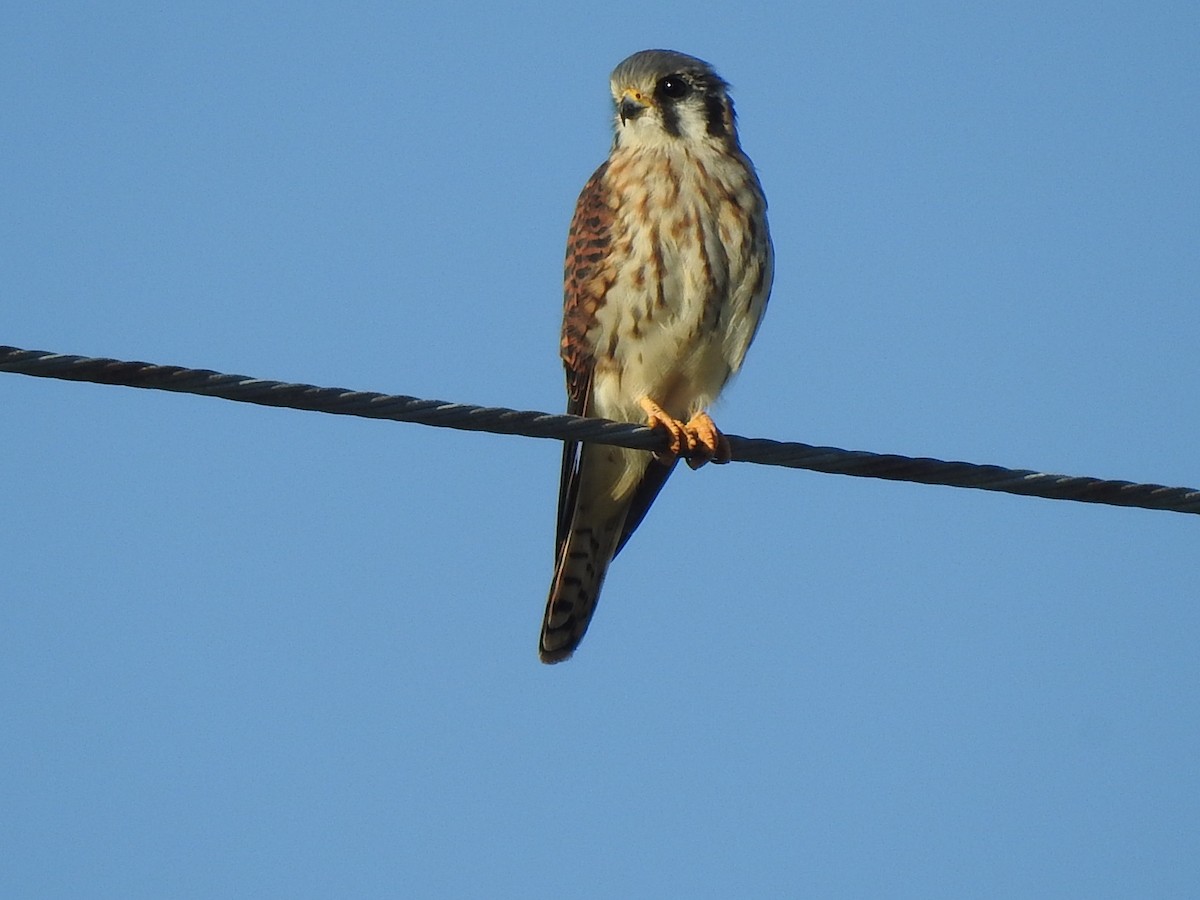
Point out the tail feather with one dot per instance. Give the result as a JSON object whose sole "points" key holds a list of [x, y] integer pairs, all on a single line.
{"points": [[595, 501], [578, 576]]}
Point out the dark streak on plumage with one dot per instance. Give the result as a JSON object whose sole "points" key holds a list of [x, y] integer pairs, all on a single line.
{"points": [[712, 301], [656, 259]]}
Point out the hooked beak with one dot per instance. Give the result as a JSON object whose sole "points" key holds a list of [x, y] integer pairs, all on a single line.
{"points": [[630, 107]]}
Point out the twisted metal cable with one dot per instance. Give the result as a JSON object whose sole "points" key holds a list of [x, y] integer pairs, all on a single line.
{"points": [[498, 420]]}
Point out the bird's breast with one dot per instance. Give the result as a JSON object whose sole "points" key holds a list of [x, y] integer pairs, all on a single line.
{"points": [[690, 268]]}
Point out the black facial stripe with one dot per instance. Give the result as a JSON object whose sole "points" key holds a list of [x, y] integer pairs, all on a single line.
{"points": [[670, 118], [714, 114]]}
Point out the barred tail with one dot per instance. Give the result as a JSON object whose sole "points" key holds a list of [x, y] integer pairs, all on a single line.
{"points": [[578, 575]]}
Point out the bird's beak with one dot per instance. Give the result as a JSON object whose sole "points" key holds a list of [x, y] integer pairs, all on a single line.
{"points": [[630, 106]]}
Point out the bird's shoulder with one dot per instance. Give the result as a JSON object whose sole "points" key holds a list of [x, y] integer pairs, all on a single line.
{"points": [[586, 277]]}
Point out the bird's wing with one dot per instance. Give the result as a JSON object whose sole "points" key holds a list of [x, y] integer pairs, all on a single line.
{"points": [[585, 284], [584, 287]]}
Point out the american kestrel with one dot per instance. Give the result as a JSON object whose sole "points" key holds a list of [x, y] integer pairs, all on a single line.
{"points": [[669, 266]]}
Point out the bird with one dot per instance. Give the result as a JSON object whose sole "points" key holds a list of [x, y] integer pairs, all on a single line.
{"points": [[668, 269]]}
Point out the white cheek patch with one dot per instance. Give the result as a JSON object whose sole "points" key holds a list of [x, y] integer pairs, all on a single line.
{"points": [[693, 122], [647, 130]]}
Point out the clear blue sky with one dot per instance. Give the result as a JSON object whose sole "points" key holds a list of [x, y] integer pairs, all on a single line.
{"points": [[252, 652]]}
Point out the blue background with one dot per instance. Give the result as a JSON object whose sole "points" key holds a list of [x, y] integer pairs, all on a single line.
{"points": [[253, 652]]}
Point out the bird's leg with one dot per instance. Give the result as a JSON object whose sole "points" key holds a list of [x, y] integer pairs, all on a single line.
{"points": [[681, 440], [708, 444]]}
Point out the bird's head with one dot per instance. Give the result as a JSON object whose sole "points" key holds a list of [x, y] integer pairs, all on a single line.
{"points": [[663, 97]]}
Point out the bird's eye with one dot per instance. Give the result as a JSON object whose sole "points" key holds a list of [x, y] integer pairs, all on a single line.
{"points": [[673, 87]]}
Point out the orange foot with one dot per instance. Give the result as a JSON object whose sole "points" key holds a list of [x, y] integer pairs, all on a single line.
{"points": [[698, 441], [681, 440], [708, 444]]}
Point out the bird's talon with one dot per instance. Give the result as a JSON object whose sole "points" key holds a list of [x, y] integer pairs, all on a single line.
{"points": [[681, 439], [709, 445]]}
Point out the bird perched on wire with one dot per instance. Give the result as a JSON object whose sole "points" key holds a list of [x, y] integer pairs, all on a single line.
{"points": [[668, 270]]}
